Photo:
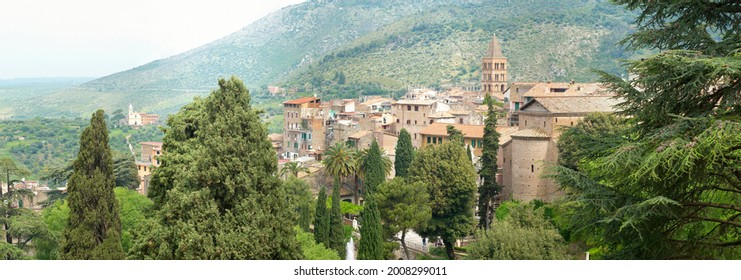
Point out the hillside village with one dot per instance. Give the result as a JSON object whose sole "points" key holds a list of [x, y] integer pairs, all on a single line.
{"points": [[531, 114]]}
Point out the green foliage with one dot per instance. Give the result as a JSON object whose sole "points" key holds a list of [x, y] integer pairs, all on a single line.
{"points": [[336, 232], [670, 189], [293, 168], [375, 173], [455, 135], [10, 252], [524, 234], [403, 206], [124, 169], [311, 250], [451, 183], [371, 245], [134, 208], [350, 208], [94, 228], [339, 161], [218, 207], [489, 188], [55, 217], [321, 219], [404, 153]]}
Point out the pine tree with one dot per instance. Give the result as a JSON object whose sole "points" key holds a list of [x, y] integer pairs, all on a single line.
{"points": [[217, 191], [489, 187], [404, 153], [336, 231], [370, 246], [94, 228], [321, 219]]}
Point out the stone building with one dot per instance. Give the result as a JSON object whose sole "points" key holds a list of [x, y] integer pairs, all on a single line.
{"points": [[302, 118], [141, 119], [521, 93], [415, 115], [494, 70], [533, 145], [150, 153]]}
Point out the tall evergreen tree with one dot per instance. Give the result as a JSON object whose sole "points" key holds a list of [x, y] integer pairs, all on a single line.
{"points": [[321, 219], [9, 167], [669, 185], [404, 153], [336, 231], [370, 246], [304, 218], [217, 192], [375, 173], [371, 232], [451, 183], [489, 187], [94, 228]]}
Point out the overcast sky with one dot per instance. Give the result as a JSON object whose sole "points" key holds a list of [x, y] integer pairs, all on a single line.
{"points": [[93, 38]]}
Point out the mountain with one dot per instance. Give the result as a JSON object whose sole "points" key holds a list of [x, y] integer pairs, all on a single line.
{"points": [[378, 45]]}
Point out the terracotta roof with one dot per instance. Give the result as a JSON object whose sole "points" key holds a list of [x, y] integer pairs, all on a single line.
{"points": [[376, 101], [301, 100], [441, 129], [441, 115], [359, 134], [494, 49], [152, 143], [566, 89], [530, 133], [275, 137], [505, 133], [575, 104]]}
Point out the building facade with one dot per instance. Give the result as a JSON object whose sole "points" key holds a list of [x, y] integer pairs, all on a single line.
{"points": [[494, 70]]}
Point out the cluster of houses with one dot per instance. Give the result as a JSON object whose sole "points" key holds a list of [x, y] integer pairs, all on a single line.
{"points": [[531, 115]]}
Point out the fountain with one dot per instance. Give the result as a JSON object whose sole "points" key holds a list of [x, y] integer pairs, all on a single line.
{"points": [[350, 250]]}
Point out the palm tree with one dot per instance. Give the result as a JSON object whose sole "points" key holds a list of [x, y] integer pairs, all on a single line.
{"points": [[339, 162], [293, 168]]}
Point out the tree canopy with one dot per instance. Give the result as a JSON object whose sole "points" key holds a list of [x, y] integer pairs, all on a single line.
{"points": [[665, 182], [403, 206], [489, 188], [94, 227], [216, 192], [451, 183], [404, 153]]}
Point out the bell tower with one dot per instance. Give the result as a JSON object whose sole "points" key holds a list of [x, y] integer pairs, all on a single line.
{"points": [[494, 70]]}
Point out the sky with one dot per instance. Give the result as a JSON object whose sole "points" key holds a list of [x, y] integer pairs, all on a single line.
{"points": [[93, 38]]}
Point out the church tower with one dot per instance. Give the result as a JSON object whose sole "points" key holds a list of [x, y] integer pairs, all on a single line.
{"points": [[494, 70]]}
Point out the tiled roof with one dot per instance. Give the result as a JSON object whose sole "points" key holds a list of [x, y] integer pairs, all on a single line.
{"points": [[441, 129], [494, 49], [275, 137], [441, 115], [301, 100], [530, 133], [359, 134], [505, 133], [575, 104], [156, 144]]}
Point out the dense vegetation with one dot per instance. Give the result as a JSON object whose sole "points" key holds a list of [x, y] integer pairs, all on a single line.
{"points": [[45, 144]]}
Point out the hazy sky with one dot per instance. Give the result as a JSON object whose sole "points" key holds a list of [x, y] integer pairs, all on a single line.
{"points": [[93, 38]]}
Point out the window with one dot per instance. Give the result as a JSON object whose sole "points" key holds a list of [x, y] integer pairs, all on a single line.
{"points": [[460, 120], [473, 143], [309, 136], [415, 136], [532, 168], [397, 120], [295, 145], [481, 143], [145, 169], [543, 123], [434, 140], [409, 107], [416, 108], [140, 167], [526, 122], [556, 120], [429, 139], [415, 122], [409, 122], [439, 140]]}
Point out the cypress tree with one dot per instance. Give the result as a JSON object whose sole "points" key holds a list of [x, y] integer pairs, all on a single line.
{"points": [[304, 220], [371, 238], [94, 228], [489, 187], [217, 190], [374, 169], [404, 153], [336, 231], [321, 219]]}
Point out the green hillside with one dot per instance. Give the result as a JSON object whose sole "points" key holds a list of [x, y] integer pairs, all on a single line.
{"points": [[351, 47]]}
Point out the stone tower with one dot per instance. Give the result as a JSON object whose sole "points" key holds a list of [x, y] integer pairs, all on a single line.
{"points": [[494, 70]]}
